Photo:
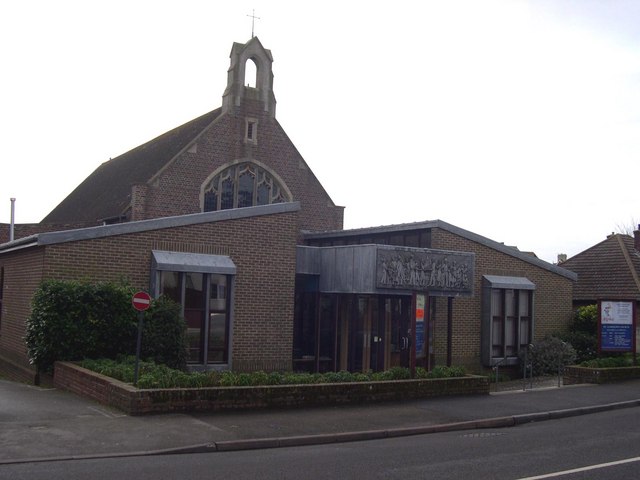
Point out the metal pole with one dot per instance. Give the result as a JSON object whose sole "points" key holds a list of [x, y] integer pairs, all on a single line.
{"points": [[531, 372], [13, 219], [524, 369], [138, 345], [449, 330]]}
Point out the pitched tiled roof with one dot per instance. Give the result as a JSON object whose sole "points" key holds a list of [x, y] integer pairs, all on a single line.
{"points": [[610, 269], [106, 193]]}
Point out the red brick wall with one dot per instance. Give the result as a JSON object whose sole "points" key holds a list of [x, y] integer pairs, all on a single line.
{"points": [[263, 249], [552, 299], [176, 189], [114, 393], [22, 275]]}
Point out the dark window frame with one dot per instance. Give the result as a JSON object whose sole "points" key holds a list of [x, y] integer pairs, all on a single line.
{"points": [[506, 329]]}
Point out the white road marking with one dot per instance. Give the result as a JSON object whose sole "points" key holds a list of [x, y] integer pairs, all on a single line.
{"points": [[583, 469], [106, 413]]}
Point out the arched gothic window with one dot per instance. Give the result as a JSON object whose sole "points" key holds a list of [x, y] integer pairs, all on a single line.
{"points": [[242, 185]]}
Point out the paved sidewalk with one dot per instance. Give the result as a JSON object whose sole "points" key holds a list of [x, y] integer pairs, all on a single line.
{"points": [[38, 423]]}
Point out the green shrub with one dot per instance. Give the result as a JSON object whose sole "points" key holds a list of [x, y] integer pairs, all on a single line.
{"points": [[228, 379], [274, 378], [586, 320], [609, 362], [298, 378], [152, 375], [73, 320], [583, 333], [585, 345], [164, 337], [447, 372], [399, 373], [338, 377], [549, 353]]}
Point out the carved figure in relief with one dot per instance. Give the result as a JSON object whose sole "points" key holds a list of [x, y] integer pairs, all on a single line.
{"points": [[411, 271]]}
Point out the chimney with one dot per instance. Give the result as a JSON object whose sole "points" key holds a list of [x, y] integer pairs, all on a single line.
{"points": [[636, 237], [13, 219]]}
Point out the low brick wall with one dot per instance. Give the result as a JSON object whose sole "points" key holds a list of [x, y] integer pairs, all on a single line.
{"points": [[574, 375], [133, 401]]}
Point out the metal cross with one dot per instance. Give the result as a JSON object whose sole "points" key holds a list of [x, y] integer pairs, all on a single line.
{"points": [[253, 20]]}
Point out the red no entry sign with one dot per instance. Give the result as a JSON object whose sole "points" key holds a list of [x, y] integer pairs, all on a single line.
{"points": [[141, 301]]}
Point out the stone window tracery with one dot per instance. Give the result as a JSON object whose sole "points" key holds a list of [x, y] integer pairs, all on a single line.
{"points": [[242, 185]]}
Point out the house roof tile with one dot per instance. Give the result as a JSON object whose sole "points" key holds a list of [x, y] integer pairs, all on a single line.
{"points": [[609, 269]]}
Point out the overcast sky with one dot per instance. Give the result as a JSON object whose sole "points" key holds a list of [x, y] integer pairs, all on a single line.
{"points": [[516, 120]]}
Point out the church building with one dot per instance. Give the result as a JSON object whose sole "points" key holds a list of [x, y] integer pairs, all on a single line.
{"points": [[224, 215]]}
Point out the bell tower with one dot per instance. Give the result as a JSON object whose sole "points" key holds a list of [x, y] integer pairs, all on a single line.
{"points": [[238, 93]]}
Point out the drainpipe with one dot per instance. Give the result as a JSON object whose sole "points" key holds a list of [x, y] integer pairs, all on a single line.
{"points": [[13, 213]]}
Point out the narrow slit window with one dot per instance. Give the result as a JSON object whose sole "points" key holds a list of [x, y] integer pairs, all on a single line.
{"points": [[251, 133]]}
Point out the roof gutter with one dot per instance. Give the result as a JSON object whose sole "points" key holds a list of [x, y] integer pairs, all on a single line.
{"points": [[25, 242]]}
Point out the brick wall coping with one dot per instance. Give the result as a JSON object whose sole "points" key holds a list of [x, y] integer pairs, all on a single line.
{"points": [[134, 401]]}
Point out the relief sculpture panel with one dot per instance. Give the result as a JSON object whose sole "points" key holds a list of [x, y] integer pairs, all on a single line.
{"points": [[421, 269]]}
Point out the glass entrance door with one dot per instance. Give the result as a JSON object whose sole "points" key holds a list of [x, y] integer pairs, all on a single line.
{"points": [[373, 332], [397, 312], [358, 333]]}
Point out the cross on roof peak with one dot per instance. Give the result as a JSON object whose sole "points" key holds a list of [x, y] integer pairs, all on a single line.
{"points": [[253, 20]]}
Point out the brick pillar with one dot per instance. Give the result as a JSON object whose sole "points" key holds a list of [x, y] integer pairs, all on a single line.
{"points": [[138, 201]]}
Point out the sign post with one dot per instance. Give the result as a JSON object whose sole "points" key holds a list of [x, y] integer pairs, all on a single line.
{"points": [[141, 301]]}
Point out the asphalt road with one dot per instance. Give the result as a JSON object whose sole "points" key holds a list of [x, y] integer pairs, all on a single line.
{"points": [[603, 446]]}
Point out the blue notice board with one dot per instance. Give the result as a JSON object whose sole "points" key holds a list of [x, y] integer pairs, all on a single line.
{"points": [[420, 339], [617, 326]]}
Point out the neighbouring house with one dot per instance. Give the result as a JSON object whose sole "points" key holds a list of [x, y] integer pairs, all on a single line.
{"points": [[223, 215], [607, 270]]}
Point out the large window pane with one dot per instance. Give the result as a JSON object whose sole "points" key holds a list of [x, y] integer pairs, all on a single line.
{"points": [[525, 329], [227, 194], [496, 340], [210, 201], [170, 286], [218, 296], [263, 194], [497, 324], [524, 307], [194, 315], [511, 324], [218, 319], [510, 335], [245, 189], [217, 338]]}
